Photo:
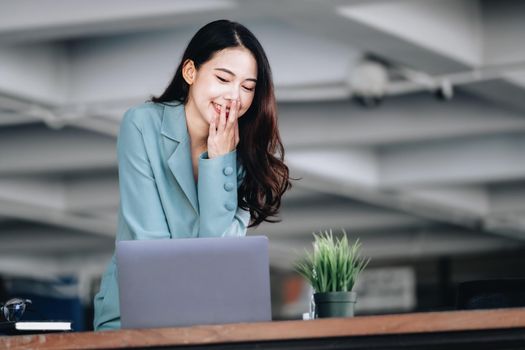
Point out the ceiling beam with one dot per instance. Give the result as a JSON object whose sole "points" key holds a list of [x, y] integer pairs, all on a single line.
{"points": [[469, 160], [53, 151], [425, 243], [60, 218], [303, 221], [455, 26], [27, 20], [344, 123], [36, 72]]}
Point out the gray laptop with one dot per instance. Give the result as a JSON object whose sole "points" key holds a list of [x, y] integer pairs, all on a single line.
{"points": [[191, 281]]}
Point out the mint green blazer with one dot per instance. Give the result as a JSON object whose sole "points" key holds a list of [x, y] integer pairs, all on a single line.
{"points": [[158, 195]]}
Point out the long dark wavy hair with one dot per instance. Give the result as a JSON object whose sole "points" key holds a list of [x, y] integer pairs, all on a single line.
{"points": [[260, 149]]}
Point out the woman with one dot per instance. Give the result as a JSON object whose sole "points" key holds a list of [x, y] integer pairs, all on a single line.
{"points": [[204, 159]]}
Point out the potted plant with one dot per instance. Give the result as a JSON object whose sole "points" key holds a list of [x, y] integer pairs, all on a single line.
{"points": [[332, 270]]}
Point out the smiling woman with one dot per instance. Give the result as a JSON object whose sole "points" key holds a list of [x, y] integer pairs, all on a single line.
{"points": [[205, 158], [226, 83]]}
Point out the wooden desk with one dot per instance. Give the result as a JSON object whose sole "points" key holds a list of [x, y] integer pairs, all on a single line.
{"points": [[488, 329]]}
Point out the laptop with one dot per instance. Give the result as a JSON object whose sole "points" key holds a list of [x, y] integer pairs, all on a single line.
{"points": [[193, 281]]}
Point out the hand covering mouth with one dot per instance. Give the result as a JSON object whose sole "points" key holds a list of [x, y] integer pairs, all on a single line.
{"points": [[218, 107]]}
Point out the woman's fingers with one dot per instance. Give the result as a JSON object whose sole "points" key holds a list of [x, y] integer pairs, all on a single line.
{"points": [[232, 117], [236, 134], [233, 122], [213, 126], [224, 131], [222, 120]]}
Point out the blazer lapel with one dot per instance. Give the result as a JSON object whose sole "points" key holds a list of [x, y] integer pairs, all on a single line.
{"points": [[175, 131]]}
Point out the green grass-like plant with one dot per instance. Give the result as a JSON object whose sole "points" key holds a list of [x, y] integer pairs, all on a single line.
{"points": [[334, 265]]}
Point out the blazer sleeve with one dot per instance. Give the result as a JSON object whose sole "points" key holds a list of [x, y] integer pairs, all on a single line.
{"points": [[141, 209], [217, 193]]}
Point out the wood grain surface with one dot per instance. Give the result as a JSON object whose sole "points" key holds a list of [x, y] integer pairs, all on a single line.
{"points": [[415, 323]]}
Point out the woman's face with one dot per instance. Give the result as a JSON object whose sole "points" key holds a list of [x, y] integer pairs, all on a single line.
{"points": [[229, 75]]}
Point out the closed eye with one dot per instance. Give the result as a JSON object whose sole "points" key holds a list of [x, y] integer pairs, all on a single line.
{"points": [[248, 88], [222, 79]]}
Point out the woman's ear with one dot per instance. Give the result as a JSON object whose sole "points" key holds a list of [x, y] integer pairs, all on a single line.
{"points": [[188, 71]]}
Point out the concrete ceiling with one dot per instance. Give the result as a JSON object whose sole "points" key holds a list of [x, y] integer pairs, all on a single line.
{"points": [[414, 176]]}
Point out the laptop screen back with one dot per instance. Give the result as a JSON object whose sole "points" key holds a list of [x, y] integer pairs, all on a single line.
{"points": [[184, 282]]}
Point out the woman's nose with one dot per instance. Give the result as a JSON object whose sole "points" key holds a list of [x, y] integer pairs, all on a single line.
{"points": [[233, 94]]}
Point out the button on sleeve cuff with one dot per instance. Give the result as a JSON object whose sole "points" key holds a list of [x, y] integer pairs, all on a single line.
{"points": [[217, 192]]}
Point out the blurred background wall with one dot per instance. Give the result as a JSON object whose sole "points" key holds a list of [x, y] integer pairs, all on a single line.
{"points": [[404, 119]]}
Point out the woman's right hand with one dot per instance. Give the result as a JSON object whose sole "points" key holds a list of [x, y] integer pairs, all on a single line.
{"points": [[223, 135]]}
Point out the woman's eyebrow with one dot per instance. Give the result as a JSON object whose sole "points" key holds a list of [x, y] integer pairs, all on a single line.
{"points": [[233, 74]]}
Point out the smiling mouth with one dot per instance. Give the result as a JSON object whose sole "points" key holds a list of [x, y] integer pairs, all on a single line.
{"points": [[217, 108]]}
